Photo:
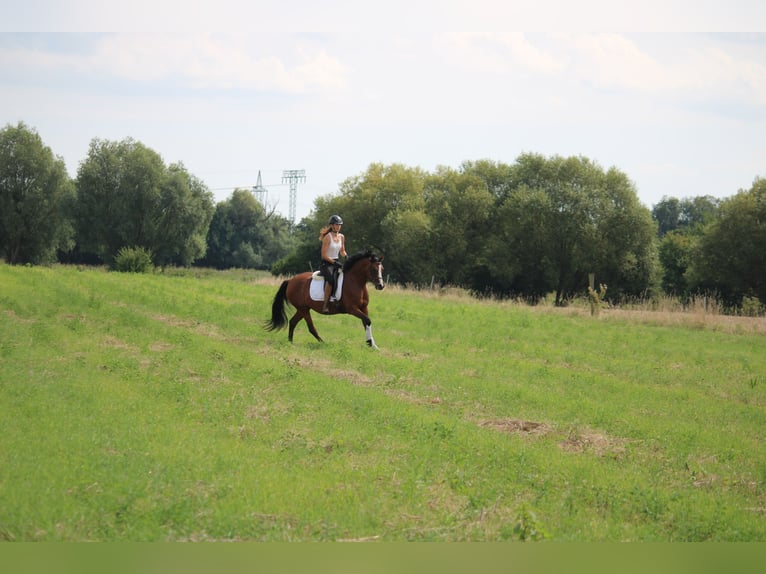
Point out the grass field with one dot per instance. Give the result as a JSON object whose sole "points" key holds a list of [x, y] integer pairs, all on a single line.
{"points": [[156, 408]]}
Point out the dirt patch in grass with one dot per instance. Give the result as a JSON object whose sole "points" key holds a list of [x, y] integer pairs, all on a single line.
{"points": [[159, 347], [12, 316], [516, 426], [593, 441], [412, 398], [115, 343]]}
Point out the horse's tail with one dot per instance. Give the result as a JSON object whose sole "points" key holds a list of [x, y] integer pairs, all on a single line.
{"points": [[278, 314]]}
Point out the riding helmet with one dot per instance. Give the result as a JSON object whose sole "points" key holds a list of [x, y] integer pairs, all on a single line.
{"points": [[335, 219]]}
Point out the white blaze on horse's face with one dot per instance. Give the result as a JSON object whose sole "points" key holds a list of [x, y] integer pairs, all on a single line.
{"points": [[378, 281]]}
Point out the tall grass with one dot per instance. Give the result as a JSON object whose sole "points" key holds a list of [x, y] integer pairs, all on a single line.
{"points": [[155, 407]]}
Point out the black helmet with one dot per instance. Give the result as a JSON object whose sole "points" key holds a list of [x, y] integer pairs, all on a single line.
{"points": [[335, 219]]}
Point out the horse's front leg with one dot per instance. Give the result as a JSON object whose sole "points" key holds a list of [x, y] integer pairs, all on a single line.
{"points": [[368, 334], [367, 323]]}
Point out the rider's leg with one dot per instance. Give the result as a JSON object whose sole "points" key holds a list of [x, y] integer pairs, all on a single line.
{"points": [[327, 291]]}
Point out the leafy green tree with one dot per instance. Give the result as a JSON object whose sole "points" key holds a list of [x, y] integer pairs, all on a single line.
{"points": [[688, 214], [36, 198], [497, 177], [458, 207], [680, 222], [625, 254], [243, 234], [410, 259], [128, 198], [563, 219], [305, 255], [516, 261], [698, 211], [731, 254], [185, 211], [667, 214], [118, 188], [675, 253]]}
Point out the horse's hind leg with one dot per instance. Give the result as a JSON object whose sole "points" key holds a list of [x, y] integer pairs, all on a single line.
{"points": [[302, 314], [312, 329]]}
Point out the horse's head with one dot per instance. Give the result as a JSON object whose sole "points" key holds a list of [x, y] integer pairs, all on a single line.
{"points": [[376, 272], [373, 264]]}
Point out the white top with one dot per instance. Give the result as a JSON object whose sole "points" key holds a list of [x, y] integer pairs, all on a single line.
{"points": [[333, 248]]}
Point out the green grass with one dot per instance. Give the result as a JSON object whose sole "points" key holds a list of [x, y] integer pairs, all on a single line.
{"points": [[155, 407]]}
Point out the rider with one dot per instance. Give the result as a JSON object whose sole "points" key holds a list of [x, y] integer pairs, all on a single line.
{"points": [[333, 247]]}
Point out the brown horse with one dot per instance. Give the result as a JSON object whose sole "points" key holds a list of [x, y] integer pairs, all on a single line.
{"points": [[357, 271]]}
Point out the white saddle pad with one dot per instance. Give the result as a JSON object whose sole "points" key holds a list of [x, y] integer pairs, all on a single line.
{"points": [[316, 289]]}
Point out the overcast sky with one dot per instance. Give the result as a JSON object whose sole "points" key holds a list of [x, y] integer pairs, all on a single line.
{"points": [[232, 88]]}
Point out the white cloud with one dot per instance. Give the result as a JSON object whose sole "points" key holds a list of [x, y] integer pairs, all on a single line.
{"points": [[205, 61], [612, 61], [498, 53], [698, 72], [216, 61]]}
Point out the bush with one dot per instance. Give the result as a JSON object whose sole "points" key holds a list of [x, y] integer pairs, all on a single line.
{"points": [[133, 260], [752, 307]]}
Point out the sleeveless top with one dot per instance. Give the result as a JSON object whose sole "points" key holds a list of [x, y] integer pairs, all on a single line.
{"points": [[333, 249]]}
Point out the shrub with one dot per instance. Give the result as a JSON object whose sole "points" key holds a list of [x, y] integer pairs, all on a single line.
{"points": [[752, 307], [596, 298], [133, 260]]}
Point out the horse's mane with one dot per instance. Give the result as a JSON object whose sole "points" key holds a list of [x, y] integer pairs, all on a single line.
{"points": [[356, 257]]}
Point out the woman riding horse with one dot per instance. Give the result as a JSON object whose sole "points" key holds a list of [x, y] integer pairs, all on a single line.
{"points": [[357, 271]]}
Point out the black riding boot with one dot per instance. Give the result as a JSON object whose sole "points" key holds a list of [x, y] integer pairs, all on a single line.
{"points": [[327, 291]]}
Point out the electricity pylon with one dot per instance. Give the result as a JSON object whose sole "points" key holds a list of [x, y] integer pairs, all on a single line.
{"points": [[293, 176], [259, 191]]}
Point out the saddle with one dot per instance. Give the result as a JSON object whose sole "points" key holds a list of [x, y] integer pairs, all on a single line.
{"points": [[316, 289]]}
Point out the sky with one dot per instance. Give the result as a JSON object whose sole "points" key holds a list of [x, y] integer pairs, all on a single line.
{"points": [[672, 93]]}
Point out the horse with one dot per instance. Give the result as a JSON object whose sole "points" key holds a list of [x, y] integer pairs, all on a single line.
{"points": [[357, 271]]}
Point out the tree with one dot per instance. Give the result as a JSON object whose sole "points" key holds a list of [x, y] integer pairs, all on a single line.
{"points": [[625, 256], [185, 210], [516, 260], [497, 178], [688, 214], [243, 234], [675, 254], [36, 198], [128, 198], [667, 214], [731, 254], [305, 254], [563, 219], [458, 207]]}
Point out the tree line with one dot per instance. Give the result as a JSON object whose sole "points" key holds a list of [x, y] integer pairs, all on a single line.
{"points": [[124, 196], [542, 226], [538, 227]]}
